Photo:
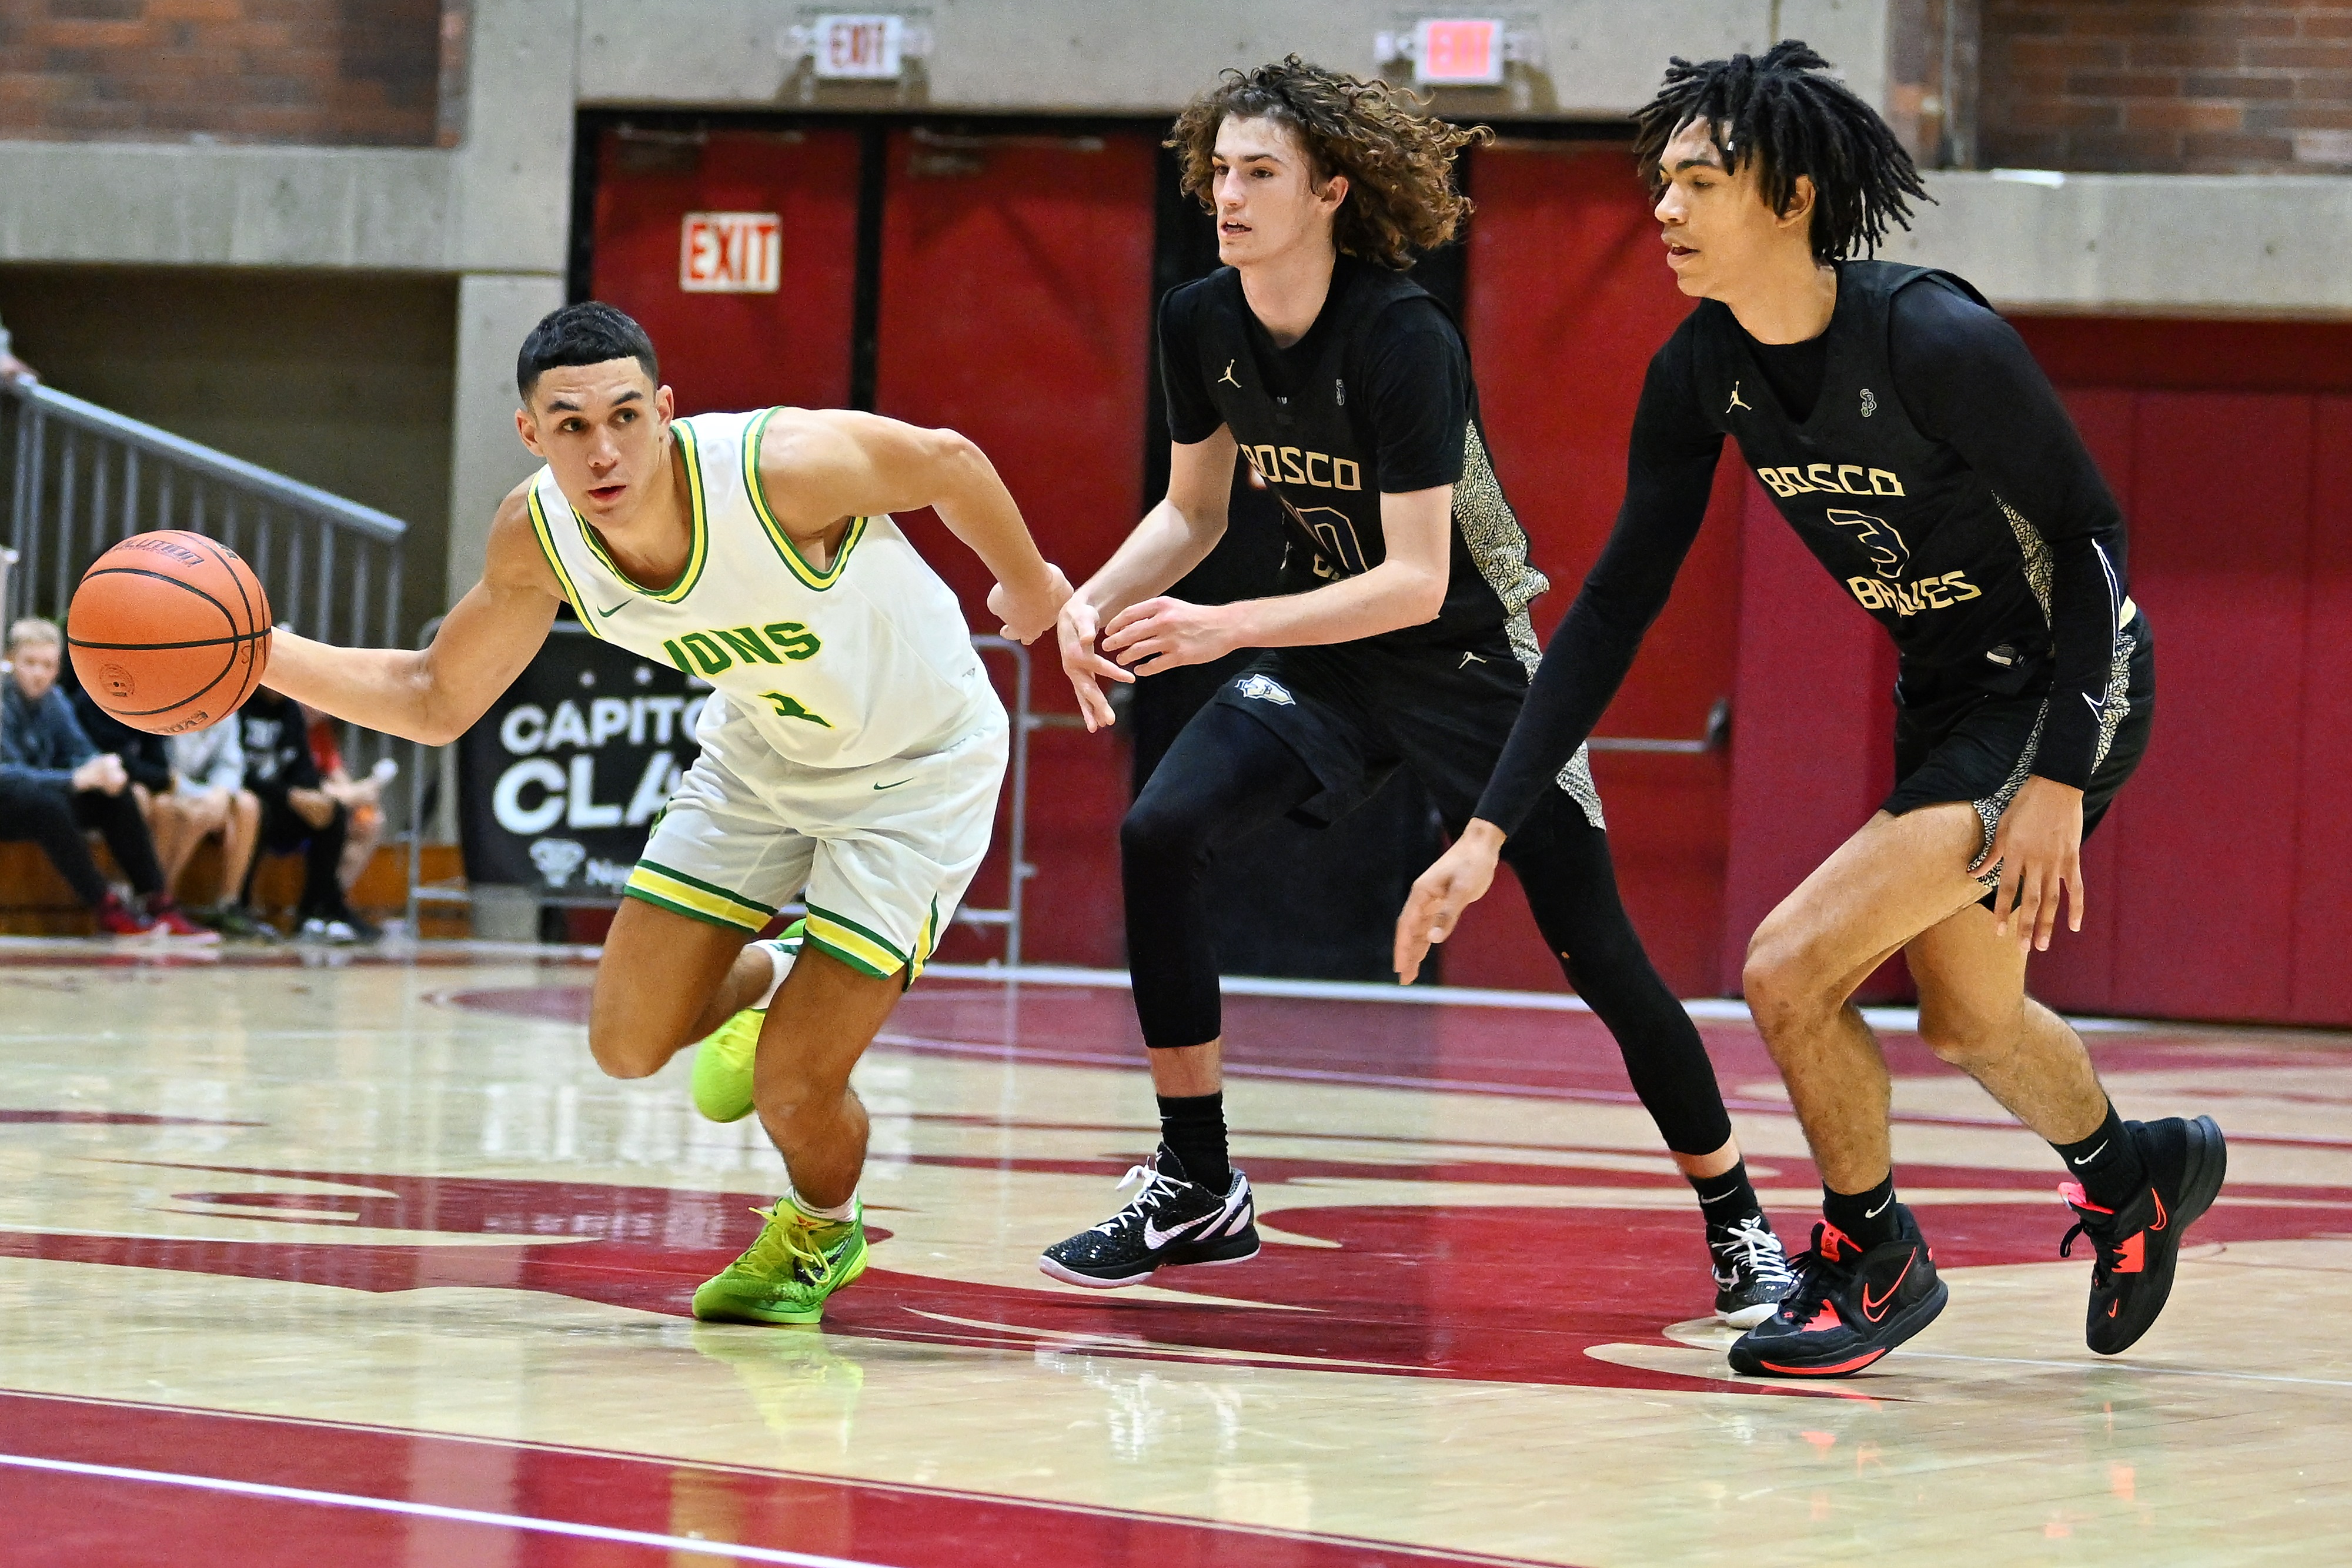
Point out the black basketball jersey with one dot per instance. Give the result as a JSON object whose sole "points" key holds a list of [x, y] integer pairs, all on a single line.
{"points": [[1307, 434], [1960, 579]]}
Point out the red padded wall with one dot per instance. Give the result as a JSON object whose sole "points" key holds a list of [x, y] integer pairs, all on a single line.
{"points": [[2321, 985], [2220, 555], [735, 351], [1568, 297], [1016, 278]]}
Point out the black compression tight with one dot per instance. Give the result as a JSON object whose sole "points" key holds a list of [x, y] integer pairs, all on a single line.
{"points": [[1563, 865], [1227, 776]]}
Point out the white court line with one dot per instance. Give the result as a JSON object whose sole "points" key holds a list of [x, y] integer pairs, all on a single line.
{"points": [[1705, 1009], [435, 1510]]}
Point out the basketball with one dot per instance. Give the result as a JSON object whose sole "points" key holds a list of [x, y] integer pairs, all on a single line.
{"points": [[169, 632]]}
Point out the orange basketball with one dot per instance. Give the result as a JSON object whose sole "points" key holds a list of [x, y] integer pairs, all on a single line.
{"points": [[169, 632]]}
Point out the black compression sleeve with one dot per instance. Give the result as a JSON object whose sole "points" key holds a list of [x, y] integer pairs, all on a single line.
{"points": [[1193, 416], [1418, 376], [1669, 474], [1967, 378]]}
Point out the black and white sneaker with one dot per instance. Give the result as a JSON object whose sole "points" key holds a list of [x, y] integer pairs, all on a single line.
{"points": [[1751, 1271], [1170, 1222]]}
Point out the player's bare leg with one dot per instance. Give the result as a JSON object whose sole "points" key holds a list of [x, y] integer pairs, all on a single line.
{"points": [[1974, 1014], [821, 1022], [664, 982], [1893, 879]]}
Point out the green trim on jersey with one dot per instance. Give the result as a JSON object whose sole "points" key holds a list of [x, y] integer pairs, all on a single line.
{"points": [[663, 888], [853, 943], [691, 456], [547, 549], [809, 575]]}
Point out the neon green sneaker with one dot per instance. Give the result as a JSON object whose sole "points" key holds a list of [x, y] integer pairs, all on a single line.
{"points": [[723, 1058], [785, 1276]]}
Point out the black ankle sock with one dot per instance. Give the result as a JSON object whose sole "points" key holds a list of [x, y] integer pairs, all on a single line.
{"points": [[2107, 1163], [1868, 1219], [1193, 1128], [1726, 1198]]}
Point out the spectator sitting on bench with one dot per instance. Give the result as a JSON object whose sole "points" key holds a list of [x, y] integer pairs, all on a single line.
{"points": [[364, 795], [54, 783], [182, 807], [297, 814]]}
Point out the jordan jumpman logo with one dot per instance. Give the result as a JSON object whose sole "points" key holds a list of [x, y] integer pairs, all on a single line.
{"points": [[1734, 401]]}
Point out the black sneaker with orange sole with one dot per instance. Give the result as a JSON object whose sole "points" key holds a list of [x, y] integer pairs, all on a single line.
{"points": [[2137, 1247], [1848, 1307]]}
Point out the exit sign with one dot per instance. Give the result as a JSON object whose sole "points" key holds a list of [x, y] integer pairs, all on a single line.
{"points": [[858, 48], [1458, 52], [730, 252]]}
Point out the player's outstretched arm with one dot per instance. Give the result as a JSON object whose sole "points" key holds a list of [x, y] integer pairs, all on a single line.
{"points": [[435, 694], [1173, 537], [819, 466]]}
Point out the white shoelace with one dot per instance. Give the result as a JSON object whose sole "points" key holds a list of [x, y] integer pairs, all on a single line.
{"points": [[1155, 1182], [1760, 1249]]}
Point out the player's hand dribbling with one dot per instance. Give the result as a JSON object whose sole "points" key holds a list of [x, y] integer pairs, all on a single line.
{"points": [[1025, 617], [1454, 881], [1165, 633], [1076, 629], [2039, 847]]}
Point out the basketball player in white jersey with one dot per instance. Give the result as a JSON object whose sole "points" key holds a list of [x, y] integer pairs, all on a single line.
{"points": [[851, 752]]}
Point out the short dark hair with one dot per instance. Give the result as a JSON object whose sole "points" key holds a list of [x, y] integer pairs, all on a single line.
{"points": [[1790, 122], [1402, 196], [588, 333]]}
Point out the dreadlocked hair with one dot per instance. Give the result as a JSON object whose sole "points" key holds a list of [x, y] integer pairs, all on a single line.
{"points": [[1402, 199], [1777, 112]]}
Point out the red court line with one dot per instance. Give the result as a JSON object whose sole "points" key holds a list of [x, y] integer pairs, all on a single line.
{"points": [[150, 1482]]}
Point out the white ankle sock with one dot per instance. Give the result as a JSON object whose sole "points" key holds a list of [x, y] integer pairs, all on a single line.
{"points": [[847, 1210], [781, 960]]}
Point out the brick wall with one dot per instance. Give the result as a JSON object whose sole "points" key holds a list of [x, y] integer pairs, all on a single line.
{"points": [[365, 72], [2167, 86]]}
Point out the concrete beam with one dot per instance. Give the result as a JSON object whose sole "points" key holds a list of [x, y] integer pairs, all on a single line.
{"points": [[1602, 57], [2168, 244], [485, 458]]}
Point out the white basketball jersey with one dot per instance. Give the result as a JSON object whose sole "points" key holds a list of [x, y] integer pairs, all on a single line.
{"points": [[865, 660]]}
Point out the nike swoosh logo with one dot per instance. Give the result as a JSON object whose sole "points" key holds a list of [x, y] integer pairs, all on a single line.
{"points": [[1875, 1213], [614, 611], [1877, 1310], [894, 786], [1155, 1237], [2162, 1218], [2095, 1153]]}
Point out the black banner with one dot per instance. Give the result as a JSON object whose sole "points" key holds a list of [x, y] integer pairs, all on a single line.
{"points": [[559, 782]]}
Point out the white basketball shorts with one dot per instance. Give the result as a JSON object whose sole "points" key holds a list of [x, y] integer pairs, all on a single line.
{"points": [[880, 853]]}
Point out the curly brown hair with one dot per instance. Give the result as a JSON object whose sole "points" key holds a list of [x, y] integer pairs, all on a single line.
{"points": [[1402, 198]]}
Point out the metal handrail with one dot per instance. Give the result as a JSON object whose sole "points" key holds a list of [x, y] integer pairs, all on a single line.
{"points": [[1025, 722], [252, 478]]}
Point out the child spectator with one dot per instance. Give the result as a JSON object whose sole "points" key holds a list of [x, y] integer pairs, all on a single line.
{"points": [[362, 796], [297, 814], [210, 797]]}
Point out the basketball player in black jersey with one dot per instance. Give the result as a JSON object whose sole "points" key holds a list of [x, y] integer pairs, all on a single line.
{"points": [[1909, 438], [1400, 638]]}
